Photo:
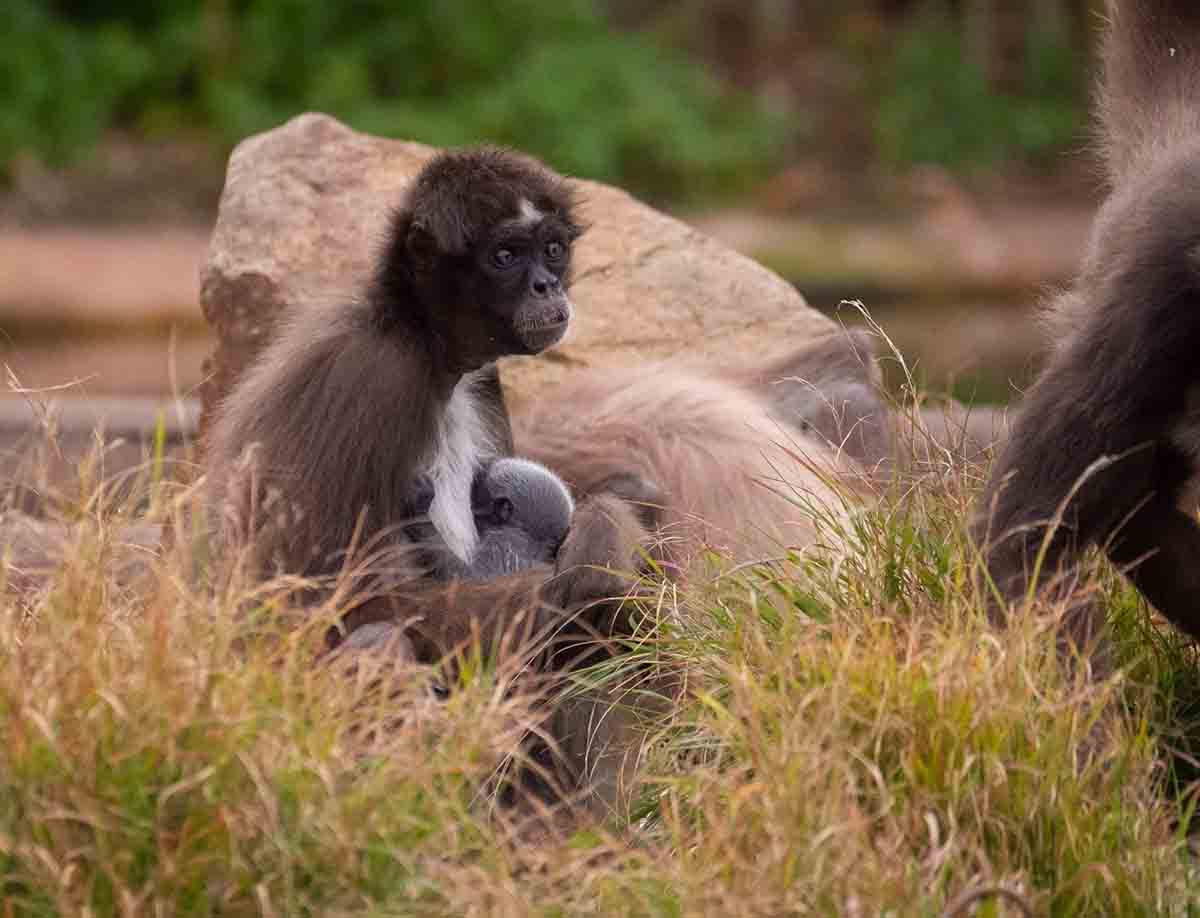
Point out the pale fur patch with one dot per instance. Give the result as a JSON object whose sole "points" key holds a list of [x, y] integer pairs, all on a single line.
{"points": [[528, 213], [734, 479], [464, 444]]}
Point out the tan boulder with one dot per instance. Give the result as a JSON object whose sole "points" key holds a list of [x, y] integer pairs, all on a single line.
{"points": [[304, 208]]}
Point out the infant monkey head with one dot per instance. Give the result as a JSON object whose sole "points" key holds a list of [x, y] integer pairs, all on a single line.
{"points": [[522, 511], [482, 242]]}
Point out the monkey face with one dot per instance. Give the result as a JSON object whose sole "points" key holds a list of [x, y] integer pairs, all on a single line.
{"points": [[522, 272], [509, 291], [484, 245]]}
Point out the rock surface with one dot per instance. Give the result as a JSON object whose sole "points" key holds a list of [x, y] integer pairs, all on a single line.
{"points": [[303, 211]]}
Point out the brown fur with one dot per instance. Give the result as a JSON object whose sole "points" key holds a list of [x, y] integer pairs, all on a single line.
{"points": [[1114, 412], [829, 388], [732, 477]]}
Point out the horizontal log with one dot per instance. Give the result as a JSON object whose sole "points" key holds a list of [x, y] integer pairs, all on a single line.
{"points": [[117, 416]]}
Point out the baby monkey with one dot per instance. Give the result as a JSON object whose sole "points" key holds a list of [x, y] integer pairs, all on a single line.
{"points": [[522, 514]]}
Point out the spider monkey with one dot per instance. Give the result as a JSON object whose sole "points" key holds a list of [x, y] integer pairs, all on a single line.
{"points": [[1110, 432]]}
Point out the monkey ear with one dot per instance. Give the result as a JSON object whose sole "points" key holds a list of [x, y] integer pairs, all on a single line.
{"points": [[443, 227]]}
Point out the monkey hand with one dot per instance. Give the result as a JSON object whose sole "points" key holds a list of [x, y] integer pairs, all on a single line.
{"points": [[597, 564], [642, 493]]}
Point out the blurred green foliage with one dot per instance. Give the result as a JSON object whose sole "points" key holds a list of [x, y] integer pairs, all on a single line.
{"points": [[638, 106], [61, 85], [552, 78], [936, 104]]}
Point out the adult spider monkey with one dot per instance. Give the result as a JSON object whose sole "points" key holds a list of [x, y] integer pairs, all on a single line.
{"points": [[1110, 432]]}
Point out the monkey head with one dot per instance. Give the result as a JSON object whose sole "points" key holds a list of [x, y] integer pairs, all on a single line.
{"points": [[483, 246], [522, 511], [849, 416]]}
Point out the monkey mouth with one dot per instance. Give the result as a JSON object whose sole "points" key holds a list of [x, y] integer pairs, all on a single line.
{"points": [[540, 337]]}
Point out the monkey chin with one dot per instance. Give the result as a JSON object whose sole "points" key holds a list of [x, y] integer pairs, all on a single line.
{"points": [[540, 324], [537, 339]]}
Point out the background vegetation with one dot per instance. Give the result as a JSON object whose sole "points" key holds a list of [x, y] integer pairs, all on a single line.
{"points": [[668, 97]]}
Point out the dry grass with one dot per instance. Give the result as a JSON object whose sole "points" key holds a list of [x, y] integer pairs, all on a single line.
{"points": [[853, 740]]}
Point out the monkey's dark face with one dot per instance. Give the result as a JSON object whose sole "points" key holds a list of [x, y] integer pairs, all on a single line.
{"points": [[483, 244], [518, 281]]}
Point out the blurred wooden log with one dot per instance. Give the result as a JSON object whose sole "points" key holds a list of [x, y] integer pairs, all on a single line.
{"points": [[55, 450], [116, 416]]}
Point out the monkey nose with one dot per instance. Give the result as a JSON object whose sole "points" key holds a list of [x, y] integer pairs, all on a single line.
{"points": [[544, 286]]}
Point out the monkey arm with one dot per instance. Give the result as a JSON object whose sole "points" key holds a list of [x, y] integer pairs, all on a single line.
{"points": [[1061, 457], [597, 564], [639, 492], [1091, 454], [501, 613], [335, 432]]}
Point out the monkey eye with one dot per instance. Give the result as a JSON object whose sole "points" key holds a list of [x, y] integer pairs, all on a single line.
{"points": [[555, 250], [503, 258], [502, 510]]}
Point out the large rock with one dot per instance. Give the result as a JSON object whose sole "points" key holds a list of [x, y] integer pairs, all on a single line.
{"points": [[303, 211]]}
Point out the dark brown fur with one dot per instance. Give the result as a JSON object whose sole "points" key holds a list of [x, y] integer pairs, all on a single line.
{"points": [[1114, 413]]}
